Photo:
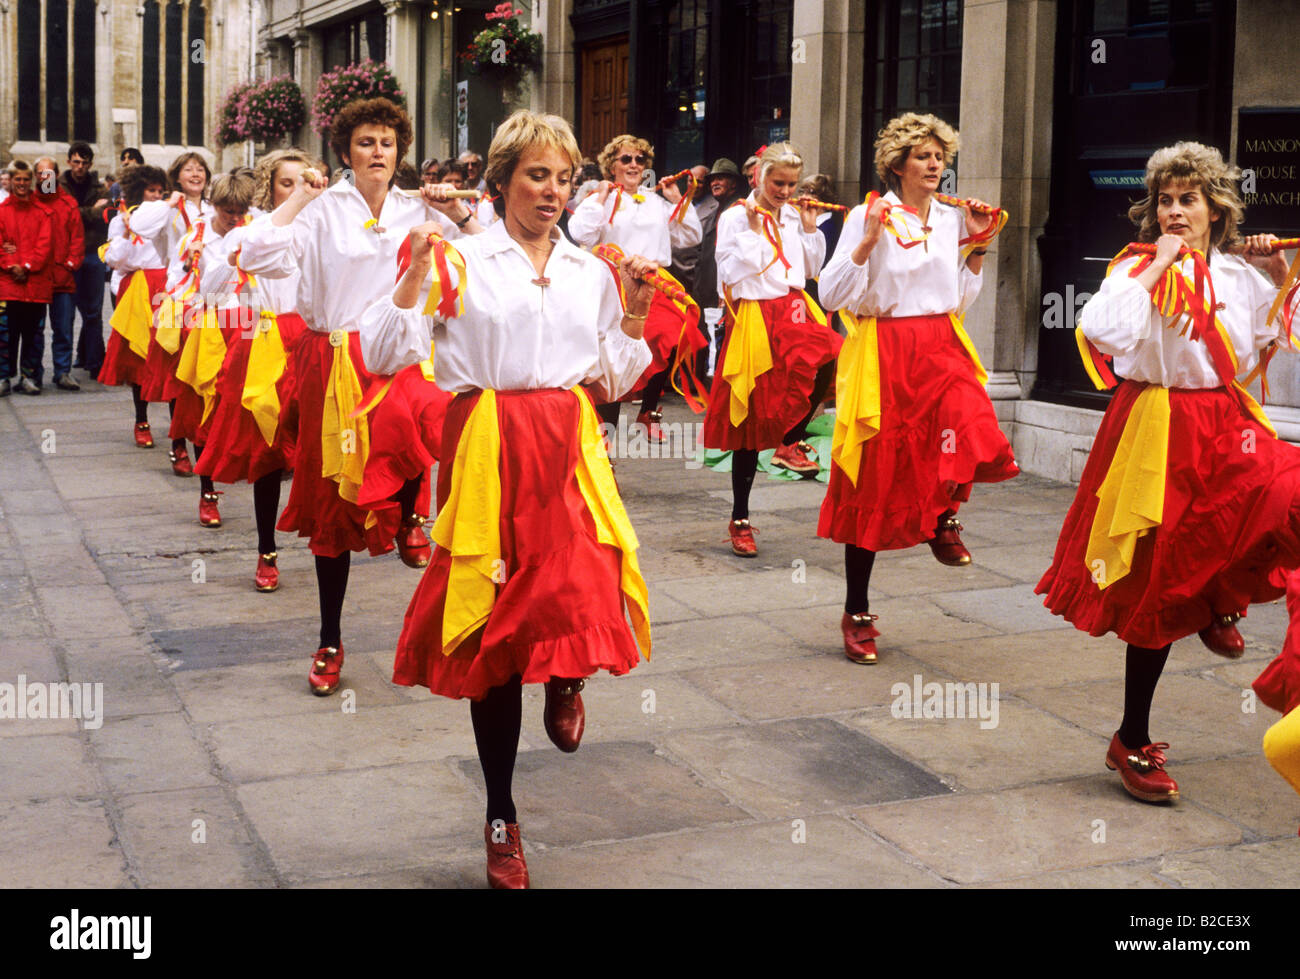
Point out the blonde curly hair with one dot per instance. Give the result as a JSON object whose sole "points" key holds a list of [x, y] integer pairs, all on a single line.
{"points": [[520, 132], [1200, 166], [605, 160], [894, 143], [264, 172]]}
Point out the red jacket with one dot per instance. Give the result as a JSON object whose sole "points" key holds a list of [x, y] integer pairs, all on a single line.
{"points": [[67, 238], [26, 226]]}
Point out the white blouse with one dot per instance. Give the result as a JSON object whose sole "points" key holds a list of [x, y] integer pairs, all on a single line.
{"points": [[925, 280], [747, 261], [514, 335], [125, 255], [343, 264], [165, 225], [276, 284], [639, 228], [1121, 320]]}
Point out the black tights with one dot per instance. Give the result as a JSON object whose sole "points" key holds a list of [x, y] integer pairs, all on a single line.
{"points": [[653, 389], [141, 406], [858, 562], [1142, 669], [266, 502], [608, 414], [496, 719], [205, 482], [332, 583], [405, 497], [178, 445], [744, 462]]}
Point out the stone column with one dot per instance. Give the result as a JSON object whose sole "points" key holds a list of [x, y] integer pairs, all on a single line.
{"points": [[1005, 158], [105, 66], [308, 59], [826, 89], [553, 88]]}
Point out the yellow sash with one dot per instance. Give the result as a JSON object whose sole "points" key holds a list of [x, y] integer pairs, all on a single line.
{"points": [[857, 388], [169, 331], [344, 440], [266, 363], [201, 359], [133, 314], [469, 522], [1131, 499], [749, 355]]}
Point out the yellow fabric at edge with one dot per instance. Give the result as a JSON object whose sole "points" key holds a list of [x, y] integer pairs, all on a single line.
{"points": [[266, 364], [344, 440], [749, 355], [1131, 499], [133, 314], [201, 360]]}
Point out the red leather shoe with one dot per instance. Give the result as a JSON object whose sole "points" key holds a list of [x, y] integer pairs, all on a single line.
{"points": [[1142, 771], [181, 464], [1222, 637], [795, 458], [564, 716], [651, 420], [412, 545], [209, 516], [267, 576], [946, 544], [143, 437], [326, 668], [859, 637], [506, 868], [742, 538]]}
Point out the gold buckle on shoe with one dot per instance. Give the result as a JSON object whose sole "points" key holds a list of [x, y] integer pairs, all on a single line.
{"points": [[866, 618]]}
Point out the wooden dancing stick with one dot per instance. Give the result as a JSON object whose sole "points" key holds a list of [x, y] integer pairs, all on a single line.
{"points": [[820, 205], [1282, 244], [612, 253], [961, 201], [452, 195], [673, 179]]}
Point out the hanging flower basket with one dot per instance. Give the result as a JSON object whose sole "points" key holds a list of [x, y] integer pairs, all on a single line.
{"points": [[363, 80], [230, 117], [273, 109], [506, 50]]}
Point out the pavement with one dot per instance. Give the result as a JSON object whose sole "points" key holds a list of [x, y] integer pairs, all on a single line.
{"points": [[748, 753]]}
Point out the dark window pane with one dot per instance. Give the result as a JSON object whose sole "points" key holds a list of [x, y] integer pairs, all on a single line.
{"points": [[56, 74], [29, 69], [175, 58], [195, 55], [83, 71], [149, 79]]}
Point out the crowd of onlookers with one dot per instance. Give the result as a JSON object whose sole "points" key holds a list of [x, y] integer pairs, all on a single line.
{"points": [[54, 219]]}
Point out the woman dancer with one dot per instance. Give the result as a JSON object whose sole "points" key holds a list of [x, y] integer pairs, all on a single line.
{"points": [[246, 440], [641, 222], [165, 223], [775, 365], [1189, 507], [914, 426], [536, 559], [344, 241], [139, 282]]}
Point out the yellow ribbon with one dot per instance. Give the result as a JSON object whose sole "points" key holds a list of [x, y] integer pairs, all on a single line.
{"points": [[201, 360], [469, 523], [133, 314], [857, 393], [344, 440], [1131, 499], [266, 363], [468, 527], [168, 335], [749, 355]]}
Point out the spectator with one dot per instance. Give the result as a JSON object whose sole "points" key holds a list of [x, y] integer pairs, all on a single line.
{"points": [[474, 165], [456, 174], [24, 280], [92, 198], [67, 248], [829, 223], [429, 170], [685, 259], [130, 157], [4, 183], [725, 187], [406, 177], [748, 170]]}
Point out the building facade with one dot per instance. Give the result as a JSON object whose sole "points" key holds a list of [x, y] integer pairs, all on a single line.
{"points": [[148, 74]]}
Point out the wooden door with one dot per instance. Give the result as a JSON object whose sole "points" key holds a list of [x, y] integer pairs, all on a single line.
{"points": [[602, 99]]}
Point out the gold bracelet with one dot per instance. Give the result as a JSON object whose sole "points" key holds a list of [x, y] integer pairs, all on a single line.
{"points": [[629, 316]]}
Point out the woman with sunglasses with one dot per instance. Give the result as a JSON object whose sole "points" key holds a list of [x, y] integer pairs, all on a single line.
{"points": [[641, 222], [1188, 510], [914, 427], [776, 363], [535, 575]]}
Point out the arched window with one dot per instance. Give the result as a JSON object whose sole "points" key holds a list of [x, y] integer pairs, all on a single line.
{"points": [[56, 78], [83, 70], [149, 81], [29, 69], [172, 69], [196, 55]]}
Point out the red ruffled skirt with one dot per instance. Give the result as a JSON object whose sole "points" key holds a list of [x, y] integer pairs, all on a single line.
{"points": [[663, 330], [315, 510], [560, 609], [938, 435], [780, 399], [1229, 532], [235, 450], [405, 440], [121, 365]]}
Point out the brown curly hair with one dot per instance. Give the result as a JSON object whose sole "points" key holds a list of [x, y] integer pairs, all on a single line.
{"points": [[174, 171], [135, 180], [605, 159], [894, 143], [370, 112], [1200, 166]]}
